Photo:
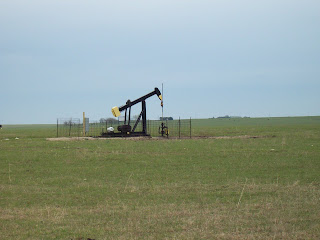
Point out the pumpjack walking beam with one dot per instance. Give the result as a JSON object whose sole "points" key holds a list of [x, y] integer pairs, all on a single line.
{"points": [[126, 128]]}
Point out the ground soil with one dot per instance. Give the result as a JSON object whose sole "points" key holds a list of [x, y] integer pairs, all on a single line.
{"points": [[150, 138]]}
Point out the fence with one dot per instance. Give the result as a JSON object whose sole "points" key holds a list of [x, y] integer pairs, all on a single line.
{"points": [[72, 127], [69, 127], [180, 128]]}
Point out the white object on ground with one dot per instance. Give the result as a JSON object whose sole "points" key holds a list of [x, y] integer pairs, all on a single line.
{"points": [[110, 129]]}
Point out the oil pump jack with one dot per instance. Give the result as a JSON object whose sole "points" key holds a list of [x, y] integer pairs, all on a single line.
{"points": [[126, 129]]}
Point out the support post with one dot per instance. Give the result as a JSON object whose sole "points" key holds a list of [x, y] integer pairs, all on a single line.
{"points": [[144, 118], [125, 117], [84, 124], [106, 125], [129, 116], [57, 127], [70, 122], [190, 127], [179, 127]]}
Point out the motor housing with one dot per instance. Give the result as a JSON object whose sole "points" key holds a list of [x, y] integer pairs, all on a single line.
{"points": [[124, 128]]}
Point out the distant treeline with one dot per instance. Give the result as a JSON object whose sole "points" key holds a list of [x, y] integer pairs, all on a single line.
{"points": [[166, 118], [227, 116]]}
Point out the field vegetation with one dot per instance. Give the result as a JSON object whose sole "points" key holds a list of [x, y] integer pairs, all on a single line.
{"points": [[267, 187]]}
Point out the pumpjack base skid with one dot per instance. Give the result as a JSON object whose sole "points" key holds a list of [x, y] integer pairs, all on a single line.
{"points": [[120, 134]]}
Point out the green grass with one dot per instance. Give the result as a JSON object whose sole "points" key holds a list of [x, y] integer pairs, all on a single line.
{"points": [[236, 188]]}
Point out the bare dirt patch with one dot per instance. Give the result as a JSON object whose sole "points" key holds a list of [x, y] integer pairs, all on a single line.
{"points": [[70, 139], [212, 137], [153, 138]]}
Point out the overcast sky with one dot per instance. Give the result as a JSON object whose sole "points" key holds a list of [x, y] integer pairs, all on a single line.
{"points": [[59, 58]]}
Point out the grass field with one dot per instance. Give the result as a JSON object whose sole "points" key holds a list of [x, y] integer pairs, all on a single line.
{"points": [[224, 188]]}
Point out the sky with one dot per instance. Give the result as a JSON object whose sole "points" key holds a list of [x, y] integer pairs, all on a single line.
{"points": [[60, 58]]}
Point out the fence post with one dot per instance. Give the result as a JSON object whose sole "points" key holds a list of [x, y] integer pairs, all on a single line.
{"points": [[190, 127], [168, 128], [70, 126], [84, 125], [57, 127], [148, 127], [179, 127]]}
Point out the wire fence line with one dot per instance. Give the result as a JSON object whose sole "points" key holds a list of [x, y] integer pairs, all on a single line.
{"points": [[73, 127], [69, 127], [180, 128]]}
